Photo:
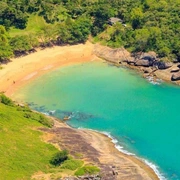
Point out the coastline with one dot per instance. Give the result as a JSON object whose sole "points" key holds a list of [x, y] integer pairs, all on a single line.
{"points": [[168, 72], [22, 70], [101, 151]]}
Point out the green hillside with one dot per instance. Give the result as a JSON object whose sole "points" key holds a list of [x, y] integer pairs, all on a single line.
{"points": [[22, 152]]}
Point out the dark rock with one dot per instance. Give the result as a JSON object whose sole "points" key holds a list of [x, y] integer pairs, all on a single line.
{"points": [[130, 61], [175, 61], [163, 65], [175, 70], [175, 77], [146, 71], [142, 62], [150, 56], [113, 172]]}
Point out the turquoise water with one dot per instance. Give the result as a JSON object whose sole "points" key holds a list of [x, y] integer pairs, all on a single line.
{"points": [[143, 117]]}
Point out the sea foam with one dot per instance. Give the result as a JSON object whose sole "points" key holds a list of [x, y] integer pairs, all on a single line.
{"points": [[154, 81]]}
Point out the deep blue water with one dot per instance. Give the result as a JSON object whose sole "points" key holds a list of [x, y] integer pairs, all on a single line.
{"points": [[143, 117]]}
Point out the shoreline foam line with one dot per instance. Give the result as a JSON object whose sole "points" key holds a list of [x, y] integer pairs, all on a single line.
{"points": [[121, 149]]}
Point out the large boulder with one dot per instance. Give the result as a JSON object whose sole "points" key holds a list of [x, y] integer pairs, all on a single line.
{"points": [[113, 55], [164, 65], [150, 56], [141, 62], [175, 77], [129, 60]]}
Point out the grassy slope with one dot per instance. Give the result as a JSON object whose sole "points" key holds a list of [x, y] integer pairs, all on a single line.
{"points": [[35, 23], [22, 152]]}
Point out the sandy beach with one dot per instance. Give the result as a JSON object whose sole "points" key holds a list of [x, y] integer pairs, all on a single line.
{"points": [[23, 69], [96, 148]]}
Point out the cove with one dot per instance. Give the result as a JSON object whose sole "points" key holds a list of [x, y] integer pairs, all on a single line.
{"points": [[141, 116]]}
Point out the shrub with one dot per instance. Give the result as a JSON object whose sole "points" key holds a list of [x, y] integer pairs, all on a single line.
{"points": [[5, 100], [88, 169], [72, 164], [45, 121], [39, 117], [59, 158], [23, 108]]}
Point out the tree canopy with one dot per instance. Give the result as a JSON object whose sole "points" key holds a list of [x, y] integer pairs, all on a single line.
{"points": [[147, 25]]}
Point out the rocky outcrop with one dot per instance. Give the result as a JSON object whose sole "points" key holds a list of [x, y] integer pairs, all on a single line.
{"points": [[175, 76], [142, 62], [113, 55], [147, 63], [150, 56], [163, 65]]}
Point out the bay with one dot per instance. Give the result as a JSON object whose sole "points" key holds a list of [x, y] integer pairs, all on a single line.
{"points": [[142, 116]]}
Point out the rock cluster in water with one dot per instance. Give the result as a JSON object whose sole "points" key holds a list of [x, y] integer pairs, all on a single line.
{"points": [[147, 63]]}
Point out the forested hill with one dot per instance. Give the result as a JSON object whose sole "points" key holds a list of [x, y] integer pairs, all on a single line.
{"points": [[144, 25]]}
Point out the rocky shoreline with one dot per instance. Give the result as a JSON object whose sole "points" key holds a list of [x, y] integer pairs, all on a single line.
{"points": [[97, 149], [148, 64]]}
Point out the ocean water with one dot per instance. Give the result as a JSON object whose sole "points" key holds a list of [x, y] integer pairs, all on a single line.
{"points": [[141, 116]]}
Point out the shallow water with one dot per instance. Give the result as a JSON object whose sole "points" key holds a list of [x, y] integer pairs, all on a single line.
{"points": [[143, 117]]}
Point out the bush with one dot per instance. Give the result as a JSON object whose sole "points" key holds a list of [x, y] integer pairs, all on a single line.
{"points": [[59, 158], [39, 117], [72, 164], [5, 100], [45, 121], [23, 108], [87, 170]]}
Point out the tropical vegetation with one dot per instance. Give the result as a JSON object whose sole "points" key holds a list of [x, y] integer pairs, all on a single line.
{"points": [[146, 25]]}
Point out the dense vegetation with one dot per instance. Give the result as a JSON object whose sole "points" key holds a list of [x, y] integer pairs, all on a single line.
{"points": [[146, 25]]}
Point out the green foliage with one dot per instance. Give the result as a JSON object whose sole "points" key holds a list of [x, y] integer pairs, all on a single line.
{"points": [[74, 31], [13, 13], [149, 25], [59, 158], [28, 113], [5, 49], [88, 169], [5, 100], [38, 117], [72, 164], [20, 43], [146, 25]]}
